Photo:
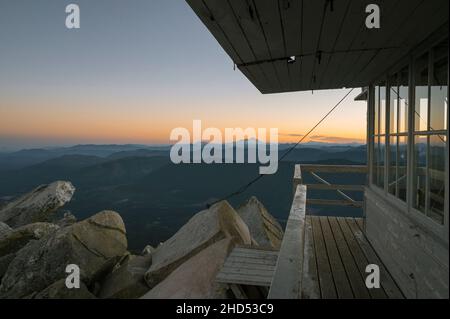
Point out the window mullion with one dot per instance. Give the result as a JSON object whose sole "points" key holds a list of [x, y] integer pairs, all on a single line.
{"points": [[410, 161], [427, 178], [397, 105], [429, 128], [446, 203], [397, 160], [387, 130]]}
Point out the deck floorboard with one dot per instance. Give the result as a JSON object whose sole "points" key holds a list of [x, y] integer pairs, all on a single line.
{"points": [[358, 255], [341, 255], [327, 287], [340, 277], [387, 282], [354, 276]]}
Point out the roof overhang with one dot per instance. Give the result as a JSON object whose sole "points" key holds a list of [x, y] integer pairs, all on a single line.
{"points": [[331, 44]]}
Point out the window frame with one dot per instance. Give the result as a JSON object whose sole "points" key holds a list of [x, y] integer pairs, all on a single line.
{"points": [[398, 134], [377, 135], [420, 216], [407, 207]]}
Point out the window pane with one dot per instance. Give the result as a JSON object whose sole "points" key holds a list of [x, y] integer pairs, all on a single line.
{"points": [[402, 166], [403, 93], [421, 87], [382, 109], [380, 161], [420, 168], [398, 147], [375, 160], [392, 186], [437, 177], [439, 99], [393, 105]]}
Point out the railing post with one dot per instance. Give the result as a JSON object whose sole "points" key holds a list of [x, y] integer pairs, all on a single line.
{"points": [[297, 180]]}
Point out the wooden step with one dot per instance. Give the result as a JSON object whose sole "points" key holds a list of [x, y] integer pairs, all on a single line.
{"points": [[248, 266]]}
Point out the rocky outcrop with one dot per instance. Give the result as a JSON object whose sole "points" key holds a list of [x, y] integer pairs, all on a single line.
{"points": [[38, 205], [58, 290], [264, 229], [19, 237], [205, 228], [92, 244], [34, 254], [195, 278], [4, 230], [126, 281]]}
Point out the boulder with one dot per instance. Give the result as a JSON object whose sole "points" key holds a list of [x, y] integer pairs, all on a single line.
{"points": [[93, 244], [58, 290], [126, 281], [19, 237], [4, 263], [37, 205], [67, 220], [195, 278], [203, 229], [264, 229], [148, 250], [4, 230]]}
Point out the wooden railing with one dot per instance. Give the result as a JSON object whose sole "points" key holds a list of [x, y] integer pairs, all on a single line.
{"points": [[325, 185], [287, 278], [286, 281]]}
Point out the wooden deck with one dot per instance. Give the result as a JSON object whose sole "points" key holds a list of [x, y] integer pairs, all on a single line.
{"points": [[249, 266], [321, 257], [336, 254]]}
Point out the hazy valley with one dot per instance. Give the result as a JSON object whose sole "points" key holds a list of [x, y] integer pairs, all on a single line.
{"points": [[156, 197]]}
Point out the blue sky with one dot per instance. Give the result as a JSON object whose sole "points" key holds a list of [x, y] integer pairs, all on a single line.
{"points": [[135, 70]]}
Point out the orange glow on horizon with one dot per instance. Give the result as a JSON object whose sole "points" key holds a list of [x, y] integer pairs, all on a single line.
{"points": [[109, 121]]}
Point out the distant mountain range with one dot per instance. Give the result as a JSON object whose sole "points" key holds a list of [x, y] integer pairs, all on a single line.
{"points": [[154, 196], [27, 157]]}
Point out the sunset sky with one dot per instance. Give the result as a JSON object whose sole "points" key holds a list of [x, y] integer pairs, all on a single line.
{"points": [[134, 71]]}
